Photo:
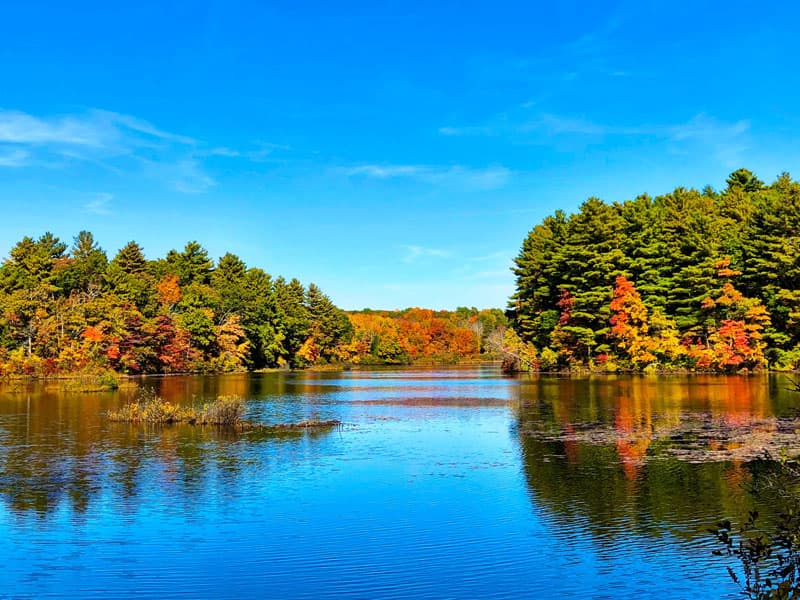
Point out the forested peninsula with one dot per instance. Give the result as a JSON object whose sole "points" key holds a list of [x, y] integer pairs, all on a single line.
{"points": [[698, 280], [70, 310]]}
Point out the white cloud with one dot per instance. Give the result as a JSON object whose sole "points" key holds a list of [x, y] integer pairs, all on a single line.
{"points": [[99, 204], [414, 253], [122, 144], [188, 176], [14, 158], [264, 151], [387, 171], [725, 141], [221, 151], [449, 175], [94, 129], [500, 256], [451, 130]]}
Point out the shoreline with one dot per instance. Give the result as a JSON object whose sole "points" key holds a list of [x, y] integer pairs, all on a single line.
{"points": [[126, 380], [332, 368]]}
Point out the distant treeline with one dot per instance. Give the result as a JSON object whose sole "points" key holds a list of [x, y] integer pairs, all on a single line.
{"points": [[422, 335], [66, 309], [691, 279]]}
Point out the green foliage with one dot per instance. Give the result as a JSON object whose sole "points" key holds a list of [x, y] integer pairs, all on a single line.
{"points": [[193, 265], [330, 326], [670, 248], [62, 313]]}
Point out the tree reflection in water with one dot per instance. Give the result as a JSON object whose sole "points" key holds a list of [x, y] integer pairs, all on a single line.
{"points": [[58, 450], [654, 454]]}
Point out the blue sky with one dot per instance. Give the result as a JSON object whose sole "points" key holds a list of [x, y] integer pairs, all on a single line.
{"points": [[394, 153]]}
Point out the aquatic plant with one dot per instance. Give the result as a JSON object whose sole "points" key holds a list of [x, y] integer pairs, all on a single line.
{"points": [[225, 410], [92, 380]]}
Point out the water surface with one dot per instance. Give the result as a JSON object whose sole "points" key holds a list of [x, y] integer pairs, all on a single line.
{"points": [[455, 483]]}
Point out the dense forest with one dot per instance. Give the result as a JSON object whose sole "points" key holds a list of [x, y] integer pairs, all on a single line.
{"points": [[67, 309], [420, 335], [692, 279]]}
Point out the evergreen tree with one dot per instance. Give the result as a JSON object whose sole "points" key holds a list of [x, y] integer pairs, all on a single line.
{"points": [[670, 247]]}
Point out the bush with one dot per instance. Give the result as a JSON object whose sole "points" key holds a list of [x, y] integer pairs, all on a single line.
{"points": [[225, 410]]}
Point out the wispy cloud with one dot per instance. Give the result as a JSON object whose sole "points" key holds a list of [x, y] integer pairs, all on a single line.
{"points": [[122, 144], [452, 175], [99, 204], [220, 151], [414, 253], [566, 64], [500, 256], [100, 129], [524, 123], [188, 176], [265, 151], [725, 141], [14, 158]]}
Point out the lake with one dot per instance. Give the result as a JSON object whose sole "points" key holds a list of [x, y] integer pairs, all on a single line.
{"points": [[441, 483]]}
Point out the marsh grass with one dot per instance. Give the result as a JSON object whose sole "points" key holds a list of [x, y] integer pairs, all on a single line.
{"points": [[226, 411], [94, 380]]}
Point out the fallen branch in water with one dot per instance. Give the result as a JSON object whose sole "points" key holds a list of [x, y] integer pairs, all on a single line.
{"points": [[313, 424]]}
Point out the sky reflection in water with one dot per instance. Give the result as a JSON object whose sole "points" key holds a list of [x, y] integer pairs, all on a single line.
{"points": [[442, 483]]}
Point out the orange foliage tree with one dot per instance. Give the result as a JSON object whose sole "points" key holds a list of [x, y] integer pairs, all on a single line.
{"points": [[735, 333], [411, 335], [630, 324]]}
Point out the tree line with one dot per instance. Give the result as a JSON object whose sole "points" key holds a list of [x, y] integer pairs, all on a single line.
{"points": [[422, 335], [690, 279], [63, 309]]}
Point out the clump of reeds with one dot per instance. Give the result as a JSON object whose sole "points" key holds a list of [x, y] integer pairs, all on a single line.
{"points": [[91, 380], [225, 410]]}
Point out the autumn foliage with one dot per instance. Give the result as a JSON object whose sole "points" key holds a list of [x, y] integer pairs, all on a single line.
{"points": [[62, 311], [691, 279], [420, 335]]}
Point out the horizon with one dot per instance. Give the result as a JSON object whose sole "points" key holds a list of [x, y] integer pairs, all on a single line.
{"points": [[393, 162]]}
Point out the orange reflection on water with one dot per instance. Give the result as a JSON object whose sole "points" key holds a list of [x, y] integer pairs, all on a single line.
{"points": [[687, 412]]}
